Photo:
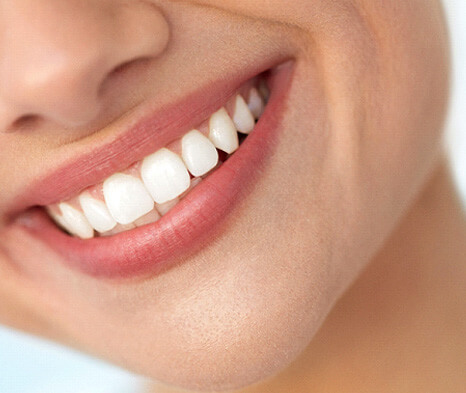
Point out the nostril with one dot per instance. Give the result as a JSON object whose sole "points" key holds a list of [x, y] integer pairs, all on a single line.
{"points": [[120, 68], [126, 66], [24, 122], [135, 67]]}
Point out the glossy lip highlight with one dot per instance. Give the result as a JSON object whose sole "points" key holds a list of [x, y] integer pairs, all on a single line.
{"points": [[190, 224]]}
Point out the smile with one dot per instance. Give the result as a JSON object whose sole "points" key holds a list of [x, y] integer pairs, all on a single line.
{"points": [[177, 188], [151, 187]]}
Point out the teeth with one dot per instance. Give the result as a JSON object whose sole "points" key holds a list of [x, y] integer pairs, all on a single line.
{"points": [[164, 175], [126, 197], [243, 118], [133, 199], [255, 103], [75, 222], [96, 213], [223, 132], [199, 154]]}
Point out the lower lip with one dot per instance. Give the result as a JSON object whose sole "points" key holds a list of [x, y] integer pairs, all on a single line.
{"points": [[190, 225]]}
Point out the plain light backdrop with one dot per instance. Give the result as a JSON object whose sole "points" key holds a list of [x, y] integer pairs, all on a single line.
{"points": [[29, 365], [456, 128]]}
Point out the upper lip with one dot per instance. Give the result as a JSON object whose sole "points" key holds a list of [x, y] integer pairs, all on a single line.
{"points": [[153, 129]]}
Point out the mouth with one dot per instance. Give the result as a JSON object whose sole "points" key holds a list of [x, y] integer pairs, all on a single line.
{"points": [[149, 188], [145, 216]]}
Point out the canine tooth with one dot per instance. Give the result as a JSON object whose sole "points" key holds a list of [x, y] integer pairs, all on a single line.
{"points": [[126, 197], [223, 131], [198, 152], [164, 208], [164, 175], [96, 213], [149, 218], [255, 103], [76, 222], [243, 118]]}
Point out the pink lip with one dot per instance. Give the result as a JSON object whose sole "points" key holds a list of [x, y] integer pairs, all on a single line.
{"points": [[190, 224]]}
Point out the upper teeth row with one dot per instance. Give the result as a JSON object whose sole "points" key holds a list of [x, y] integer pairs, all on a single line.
{"points": [[126, 200]]}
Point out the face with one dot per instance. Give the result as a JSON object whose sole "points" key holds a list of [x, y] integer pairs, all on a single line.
{"points": [[199, 258]]}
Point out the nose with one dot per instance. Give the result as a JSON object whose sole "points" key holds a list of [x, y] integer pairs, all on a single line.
{"points": [[55, 55]]}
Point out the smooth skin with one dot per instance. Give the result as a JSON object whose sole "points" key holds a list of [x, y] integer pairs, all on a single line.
{"points": [[356, 204]]}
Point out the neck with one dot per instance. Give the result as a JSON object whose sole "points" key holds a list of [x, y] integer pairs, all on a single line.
{"points": [[401, 327]]}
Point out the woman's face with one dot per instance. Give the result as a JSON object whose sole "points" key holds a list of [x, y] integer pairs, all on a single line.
{"points": [[231, 284]]}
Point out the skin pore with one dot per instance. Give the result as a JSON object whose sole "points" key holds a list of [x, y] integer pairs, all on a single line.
{"points": [[356, 194]]}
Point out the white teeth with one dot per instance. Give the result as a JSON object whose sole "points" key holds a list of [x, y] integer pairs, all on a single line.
{"points": [[223, 131], [96, 213], [199, 154], [164, 178], [255, 103], [75, 222], [243, 118], [164, 175], [126, 197]]}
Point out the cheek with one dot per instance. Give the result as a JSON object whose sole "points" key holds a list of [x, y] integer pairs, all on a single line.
{"points": [[405, 97], [385, 79]]}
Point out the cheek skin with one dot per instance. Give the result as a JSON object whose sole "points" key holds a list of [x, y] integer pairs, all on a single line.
{"points": [[397, 128]]}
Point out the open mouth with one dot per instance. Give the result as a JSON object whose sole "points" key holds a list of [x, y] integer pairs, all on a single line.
{"points": [[151, 187], [171, 187]]}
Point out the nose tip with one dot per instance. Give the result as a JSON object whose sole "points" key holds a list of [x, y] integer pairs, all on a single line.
{"points": [[55, 56]]}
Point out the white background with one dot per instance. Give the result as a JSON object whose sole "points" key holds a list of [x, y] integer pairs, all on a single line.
{"points": [[456, 137], [28, 365]]}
